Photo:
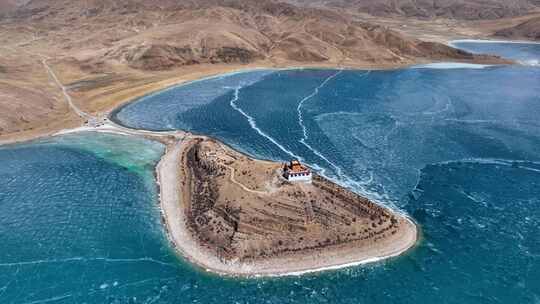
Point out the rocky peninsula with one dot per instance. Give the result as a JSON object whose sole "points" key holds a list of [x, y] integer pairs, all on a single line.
{"points": [[234, 215]]}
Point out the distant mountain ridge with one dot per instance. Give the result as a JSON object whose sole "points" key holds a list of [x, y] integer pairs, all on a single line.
{"points": [[529, 30], [424, 9], [106, 51], [164, 34], [429, 9]]}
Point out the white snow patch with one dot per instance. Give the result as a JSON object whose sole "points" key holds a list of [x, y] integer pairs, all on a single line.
{"points": [[532, 62], [453, 42], [451, 65]]}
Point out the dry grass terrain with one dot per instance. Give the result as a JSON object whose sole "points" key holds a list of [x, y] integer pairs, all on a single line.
{"points": [[243, 211], [29, 99]]}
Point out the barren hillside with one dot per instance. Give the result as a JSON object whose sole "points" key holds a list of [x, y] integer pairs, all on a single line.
{"points": [[108, 51], [529, 29], [243, 212], [457, 9], [166, 34]]}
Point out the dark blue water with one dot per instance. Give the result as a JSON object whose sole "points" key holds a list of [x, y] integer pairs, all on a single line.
{"points": [[458, 149], [176, 100], [523, 52], [372, 131]]}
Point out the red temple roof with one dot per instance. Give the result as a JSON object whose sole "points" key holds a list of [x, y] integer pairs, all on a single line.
{"points": [[296, 166]]}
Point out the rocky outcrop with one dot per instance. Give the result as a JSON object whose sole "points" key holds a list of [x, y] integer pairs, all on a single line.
{"points": [[233, 55], [157, 57], [228, 217], [164, 56]]}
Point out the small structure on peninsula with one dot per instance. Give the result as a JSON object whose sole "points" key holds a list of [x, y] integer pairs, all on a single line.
{"points": [[294, 171], [241, 217]]}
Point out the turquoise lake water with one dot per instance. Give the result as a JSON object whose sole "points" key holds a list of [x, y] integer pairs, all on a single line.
{"points": [[457, 149]]}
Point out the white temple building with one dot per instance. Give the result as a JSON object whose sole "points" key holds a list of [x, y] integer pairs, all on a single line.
{"points": [[294, 171]]}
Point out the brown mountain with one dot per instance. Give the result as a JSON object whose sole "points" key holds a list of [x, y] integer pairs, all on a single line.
{"points": [[108, 51], [165, 34], [7, 6], [529, 30], [455, 9]]}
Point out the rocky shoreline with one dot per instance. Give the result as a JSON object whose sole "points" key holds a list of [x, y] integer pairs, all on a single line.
{"points": [[266, 252]]}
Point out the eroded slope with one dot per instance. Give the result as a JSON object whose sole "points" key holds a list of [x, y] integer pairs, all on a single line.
{"points": [[243, 211]]}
